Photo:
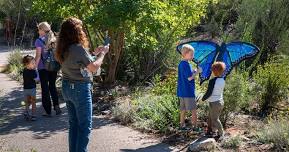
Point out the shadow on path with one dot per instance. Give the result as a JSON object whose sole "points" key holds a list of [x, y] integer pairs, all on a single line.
{"points": [[13, 120], [153, 148]]}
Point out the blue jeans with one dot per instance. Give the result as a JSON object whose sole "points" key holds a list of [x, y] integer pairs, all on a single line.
{"points": [[78, 98]]}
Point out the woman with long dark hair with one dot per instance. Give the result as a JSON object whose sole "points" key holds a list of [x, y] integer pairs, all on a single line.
{"points": [[47, 78], [77, 68]]}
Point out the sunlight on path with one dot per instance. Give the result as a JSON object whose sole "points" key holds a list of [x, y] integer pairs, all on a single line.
{"points": [[4, 54]]}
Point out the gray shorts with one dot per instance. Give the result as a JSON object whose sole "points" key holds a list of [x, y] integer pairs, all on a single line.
{"points": [[187, 104], [30, 92]]}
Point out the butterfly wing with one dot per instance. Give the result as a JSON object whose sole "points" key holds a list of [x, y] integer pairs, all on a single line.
{"points": [[234, 53], [204, 56]]}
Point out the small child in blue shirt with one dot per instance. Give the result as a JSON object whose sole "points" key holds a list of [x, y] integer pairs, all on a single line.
{"points": [[186, 86]]}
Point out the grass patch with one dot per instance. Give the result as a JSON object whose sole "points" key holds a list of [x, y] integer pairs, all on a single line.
{"points": [[156, 112], [158, 108], [123, 112], [232, 142], [149, 112], [276, 132]]}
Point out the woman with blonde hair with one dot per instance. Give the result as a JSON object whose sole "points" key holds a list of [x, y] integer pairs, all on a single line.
{"points": [[77, 68], [46, 41]]}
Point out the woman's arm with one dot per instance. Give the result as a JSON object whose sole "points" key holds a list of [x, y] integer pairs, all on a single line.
{"points": [[94, 66], [38, 55]]}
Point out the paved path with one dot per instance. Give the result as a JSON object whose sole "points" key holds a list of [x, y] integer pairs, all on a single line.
{"points": [[50, 134], [4, 54]]}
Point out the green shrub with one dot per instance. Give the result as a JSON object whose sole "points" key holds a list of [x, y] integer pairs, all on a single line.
{"points": [[15, 66], [272, 85], [156, 112], [124, 112], [167, 86], [15, 58], [235, 95], [149, 112], [276, 132], [232, 142], [158, 108]]}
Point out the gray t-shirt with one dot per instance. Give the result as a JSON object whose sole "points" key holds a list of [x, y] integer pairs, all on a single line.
{"points": [[74, 65]]}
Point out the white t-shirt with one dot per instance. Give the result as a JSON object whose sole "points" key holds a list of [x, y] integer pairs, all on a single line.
{"points": [[217, 94]]}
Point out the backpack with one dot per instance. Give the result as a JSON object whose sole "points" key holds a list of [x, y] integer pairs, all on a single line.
{"points": [[50, 64]]}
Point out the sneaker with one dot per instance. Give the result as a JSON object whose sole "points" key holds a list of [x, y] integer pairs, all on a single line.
{"points": [[33, 118], [183, 128], [209, 134], [57, 110], [46, 115], [26, 115], [219, 138], [197, 129]]}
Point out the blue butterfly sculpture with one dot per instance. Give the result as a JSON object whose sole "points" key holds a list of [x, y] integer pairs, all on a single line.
{"points": [[207, 52]]}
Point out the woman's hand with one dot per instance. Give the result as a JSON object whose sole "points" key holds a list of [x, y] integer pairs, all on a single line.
{"points": [[96, 51], [104, 49], [101, 49]]}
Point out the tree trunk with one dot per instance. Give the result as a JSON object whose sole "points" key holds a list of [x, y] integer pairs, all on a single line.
{"points": [[23, 32], [18, 18], [116, 48]]}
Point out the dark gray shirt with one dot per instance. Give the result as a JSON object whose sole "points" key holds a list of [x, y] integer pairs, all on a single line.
{"points": [[74, 65]]}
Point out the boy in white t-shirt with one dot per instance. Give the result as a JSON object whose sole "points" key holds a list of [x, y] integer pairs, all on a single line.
{"points": [[214, 95]]}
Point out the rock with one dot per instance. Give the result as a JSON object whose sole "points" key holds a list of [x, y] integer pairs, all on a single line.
{"points": [[106, 112], [245, 138], [203, 144], [266, 147]]}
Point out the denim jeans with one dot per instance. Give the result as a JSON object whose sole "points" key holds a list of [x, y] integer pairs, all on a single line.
{"points": [[78, 98]]}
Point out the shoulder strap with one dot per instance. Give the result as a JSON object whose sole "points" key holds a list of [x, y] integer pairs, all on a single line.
{"points": [[41, 40]]}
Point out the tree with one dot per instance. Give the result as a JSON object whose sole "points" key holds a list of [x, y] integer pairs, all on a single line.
{"points": [[151, 43], [16, 11], [116, 16], [112, 15], [148, 26], [266, 22]]}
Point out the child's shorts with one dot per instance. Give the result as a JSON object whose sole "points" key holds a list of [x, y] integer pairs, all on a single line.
{"points": [[30, 92], [187, 104]]}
